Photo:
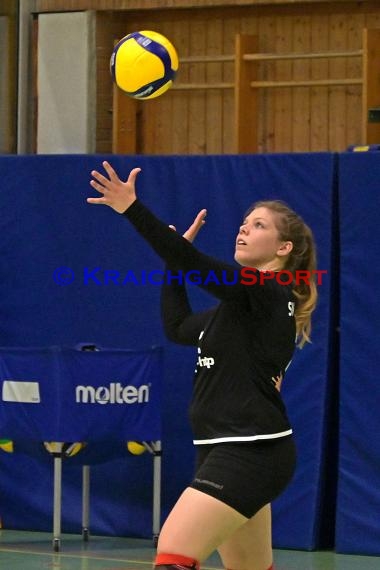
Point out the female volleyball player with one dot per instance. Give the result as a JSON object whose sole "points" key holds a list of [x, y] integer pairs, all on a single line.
{"points": [[246, 454]]}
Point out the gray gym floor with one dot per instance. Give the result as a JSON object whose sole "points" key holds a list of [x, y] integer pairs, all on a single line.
{"points": [[34, 551]]}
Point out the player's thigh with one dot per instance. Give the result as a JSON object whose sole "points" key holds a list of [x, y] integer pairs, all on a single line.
{"points": [[250, 546], [197, 524]]}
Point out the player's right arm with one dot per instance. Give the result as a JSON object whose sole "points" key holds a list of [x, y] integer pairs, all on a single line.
{"points": [[180, 324]]}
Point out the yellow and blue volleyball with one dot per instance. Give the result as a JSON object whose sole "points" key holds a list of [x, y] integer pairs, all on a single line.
{"points": [[136, 447], [64, 449], [144, 64], [6, 445]]}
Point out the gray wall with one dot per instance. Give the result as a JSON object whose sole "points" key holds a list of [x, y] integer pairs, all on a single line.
{"points": [[66, 83]]}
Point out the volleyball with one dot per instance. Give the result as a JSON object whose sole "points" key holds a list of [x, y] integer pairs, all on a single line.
{"points": [[63, 449], [135, 447], [144, 64], [6, 445]]}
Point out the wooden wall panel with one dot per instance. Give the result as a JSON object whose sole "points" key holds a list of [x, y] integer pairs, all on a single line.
{"points": [[8, 76], [289, 119], [231, 27], [371, 84], [372, 18], [180, 101], [214, 97], [337, 95], [266, 121], [197, 98], [68, 5], [250, 25], [319, 96], [301, 95], [107, 31], [355, 26], [283, 96]]}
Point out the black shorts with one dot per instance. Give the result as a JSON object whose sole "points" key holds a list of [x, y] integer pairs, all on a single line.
{"points": [[245, 476]]}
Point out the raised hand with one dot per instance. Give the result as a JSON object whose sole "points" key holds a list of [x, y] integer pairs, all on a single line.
{"points": [[192, 232], [117, 194], [277, 381]]}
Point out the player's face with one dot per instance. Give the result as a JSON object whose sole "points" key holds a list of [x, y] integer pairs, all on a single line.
{"points": [[257, 243]]}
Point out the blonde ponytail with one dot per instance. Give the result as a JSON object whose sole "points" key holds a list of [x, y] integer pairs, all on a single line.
{"points": [[291, 227]]}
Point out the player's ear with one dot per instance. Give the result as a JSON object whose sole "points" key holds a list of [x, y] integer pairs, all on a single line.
{"points": [[285, 248]]}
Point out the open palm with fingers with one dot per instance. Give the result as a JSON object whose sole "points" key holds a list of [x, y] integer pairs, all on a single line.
{"points": [[117, 194]]}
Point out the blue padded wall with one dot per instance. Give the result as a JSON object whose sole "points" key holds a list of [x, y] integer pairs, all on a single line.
{"points": [[358, 502]]}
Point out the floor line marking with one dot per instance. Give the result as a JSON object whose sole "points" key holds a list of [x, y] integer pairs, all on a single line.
{"points": [[90, 557]]}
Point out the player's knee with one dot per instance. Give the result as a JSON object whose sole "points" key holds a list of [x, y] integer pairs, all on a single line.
{"points": [[166, 561]]}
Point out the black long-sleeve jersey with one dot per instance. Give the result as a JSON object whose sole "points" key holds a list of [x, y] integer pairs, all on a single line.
{"points": [[243, 343]]}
